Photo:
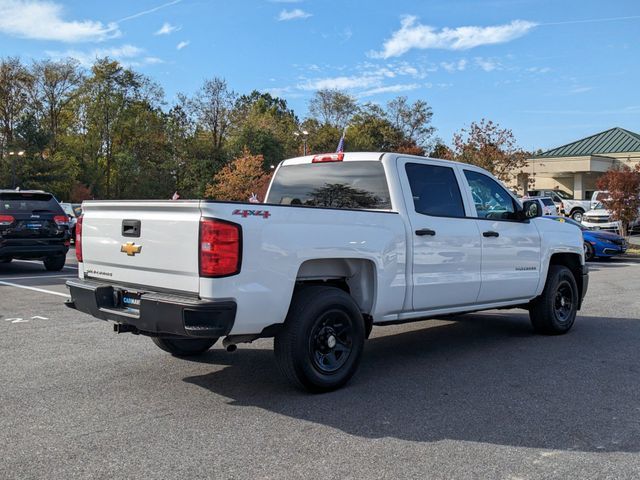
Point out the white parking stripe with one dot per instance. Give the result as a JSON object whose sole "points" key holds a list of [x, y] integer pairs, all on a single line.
{"points": [[69, 275], [41, 290]]}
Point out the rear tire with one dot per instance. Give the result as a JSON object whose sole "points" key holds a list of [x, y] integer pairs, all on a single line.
{"points": [[554, 312], [55, 264], [320, 346], [184, 347]]}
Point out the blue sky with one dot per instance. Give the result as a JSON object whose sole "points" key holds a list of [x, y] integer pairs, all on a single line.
{"points": [[552, 71]]}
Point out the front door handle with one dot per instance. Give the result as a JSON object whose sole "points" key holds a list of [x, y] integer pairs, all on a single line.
{"points": [[490, 234], [425, 231]]}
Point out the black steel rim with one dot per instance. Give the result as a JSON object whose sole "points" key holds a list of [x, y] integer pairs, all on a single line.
{"points": [[331, 341], [563, 303]]}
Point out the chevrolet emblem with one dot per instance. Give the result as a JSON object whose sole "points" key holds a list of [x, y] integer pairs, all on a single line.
{"points": [[130, 248]]}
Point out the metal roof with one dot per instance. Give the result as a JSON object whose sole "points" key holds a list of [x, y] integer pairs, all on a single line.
{"points": [[615, 140]]}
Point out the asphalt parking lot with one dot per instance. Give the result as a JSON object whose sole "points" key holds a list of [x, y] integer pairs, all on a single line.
{"points": [[480, 397]]}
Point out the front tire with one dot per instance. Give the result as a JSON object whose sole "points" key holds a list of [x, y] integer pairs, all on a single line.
{"points": [[55, 264], [577, 215], [321, 343], [589, 251], [184, 347], [554, 312]]}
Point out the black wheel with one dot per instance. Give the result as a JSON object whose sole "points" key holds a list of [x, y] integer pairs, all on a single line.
{"points": [[554, 312], [577, 215], [184, 347], [55, 264], [589, 252], [320, 345]]}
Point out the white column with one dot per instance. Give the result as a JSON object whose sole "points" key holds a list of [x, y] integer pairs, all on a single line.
{"points": [[578, 193]]}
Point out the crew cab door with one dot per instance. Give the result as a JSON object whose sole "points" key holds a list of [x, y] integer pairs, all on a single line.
{"points": [[510, 247], [446, 245]]}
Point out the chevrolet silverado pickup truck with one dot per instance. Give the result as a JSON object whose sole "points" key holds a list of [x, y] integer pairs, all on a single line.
{"points": [[342, 242]]}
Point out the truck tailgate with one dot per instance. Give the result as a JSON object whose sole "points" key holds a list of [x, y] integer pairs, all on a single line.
{"points": [[148, 244]]}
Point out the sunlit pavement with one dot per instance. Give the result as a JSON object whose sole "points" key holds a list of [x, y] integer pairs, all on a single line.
{"points": [[478, 398]]}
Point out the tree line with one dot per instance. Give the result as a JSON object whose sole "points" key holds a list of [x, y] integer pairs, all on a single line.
{"points": [[108, 133]]}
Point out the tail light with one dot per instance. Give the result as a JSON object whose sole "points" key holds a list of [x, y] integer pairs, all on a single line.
{"points": [[328, 157], [6, 220], [220, 248], [61, 220], [79, 239]]}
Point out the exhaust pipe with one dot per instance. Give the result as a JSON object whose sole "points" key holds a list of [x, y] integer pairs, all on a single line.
{"points": [[231, 342]]}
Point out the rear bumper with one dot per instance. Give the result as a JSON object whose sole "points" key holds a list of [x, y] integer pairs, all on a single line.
{"points": [[32, 249], [160, 314]]}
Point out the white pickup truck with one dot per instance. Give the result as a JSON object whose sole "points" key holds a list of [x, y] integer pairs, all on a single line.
{"points": [[342, 243]]}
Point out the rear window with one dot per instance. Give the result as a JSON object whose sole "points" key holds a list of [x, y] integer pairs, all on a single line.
{"points": [[548, 202], [28, 202], [358, 185]]}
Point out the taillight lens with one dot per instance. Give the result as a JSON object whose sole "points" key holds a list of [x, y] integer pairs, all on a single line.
{"points": [[79, 239], [220, 248], [61, 220], [6, 220]]}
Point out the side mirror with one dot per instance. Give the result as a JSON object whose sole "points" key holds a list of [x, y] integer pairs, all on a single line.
{"points": [[531, 209]]}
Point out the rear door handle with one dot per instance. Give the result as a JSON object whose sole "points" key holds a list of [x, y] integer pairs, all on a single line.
{"points": [[425, 231], [490, 234]]}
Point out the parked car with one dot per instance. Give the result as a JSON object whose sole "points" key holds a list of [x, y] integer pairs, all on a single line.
{"points": [[565, 202], [73, 217], [33, 226], [598, 196], [601, 219], [547, 205], [598, 243], [345, 241]]}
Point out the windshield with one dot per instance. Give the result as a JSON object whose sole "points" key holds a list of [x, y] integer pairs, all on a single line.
{"points": [[359, 185], [564, 195]]}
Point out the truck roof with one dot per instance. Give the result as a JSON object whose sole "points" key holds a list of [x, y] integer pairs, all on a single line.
{"points": [[360, 157]]}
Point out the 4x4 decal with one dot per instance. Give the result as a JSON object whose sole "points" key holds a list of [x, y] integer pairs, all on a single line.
{"points": [[252, 213]]}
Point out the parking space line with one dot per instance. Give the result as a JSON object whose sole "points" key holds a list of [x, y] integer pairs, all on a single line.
{"points": [[69, 275], [41, 290]]}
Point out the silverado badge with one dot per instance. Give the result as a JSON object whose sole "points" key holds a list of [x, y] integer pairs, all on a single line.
{"points": [[130, 248]]}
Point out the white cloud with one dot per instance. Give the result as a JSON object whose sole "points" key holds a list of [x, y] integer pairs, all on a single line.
{"points": [[129, 55], [182, 44], [488, 64], [390, 89], [580, 89], [167, 29], [43, 20], [454, 66], [340, 83], [295, 14], [415, 35]]}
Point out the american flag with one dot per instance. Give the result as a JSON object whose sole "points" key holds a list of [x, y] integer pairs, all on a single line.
{"points": [[340, 148]]}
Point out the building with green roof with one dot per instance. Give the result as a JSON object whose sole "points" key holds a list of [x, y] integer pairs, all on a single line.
{"points": [[576, 167]]}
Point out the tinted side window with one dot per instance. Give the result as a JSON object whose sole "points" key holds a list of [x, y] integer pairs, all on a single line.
{"points": [[490, 199], [435, 190]]}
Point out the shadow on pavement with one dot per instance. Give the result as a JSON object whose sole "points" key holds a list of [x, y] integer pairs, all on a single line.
{"points": [[484, 378]]}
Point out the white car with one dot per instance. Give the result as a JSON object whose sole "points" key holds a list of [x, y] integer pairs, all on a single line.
{"points": [[344, 241], [547, 205], [599, 218]]}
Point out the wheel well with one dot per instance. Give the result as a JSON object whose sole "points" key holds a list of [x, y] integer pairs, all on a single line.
{"points": [[577, 209], [355, 276], [573, 263]]}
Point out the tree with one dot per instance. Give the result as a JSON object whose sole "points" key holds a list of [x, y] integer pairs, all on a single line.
{"points": [[332, 107], [413, 120], [487, 145], [623, 185], [240, 179], [212, 106]]}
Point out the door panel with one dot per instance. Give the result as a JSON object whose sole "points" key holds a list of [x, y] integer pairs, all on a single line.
{"points": [[510, 248], [446, 249]]}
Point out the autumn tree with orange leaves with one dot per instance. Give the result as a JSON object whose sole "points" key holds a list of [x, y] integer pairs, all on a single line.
{"points": [[487, 145], [240, 179], [623, 185]]}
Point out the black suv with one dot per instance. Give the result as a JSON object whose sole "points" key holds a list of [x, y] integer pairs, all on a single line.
{"points": [[33, 226]]}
